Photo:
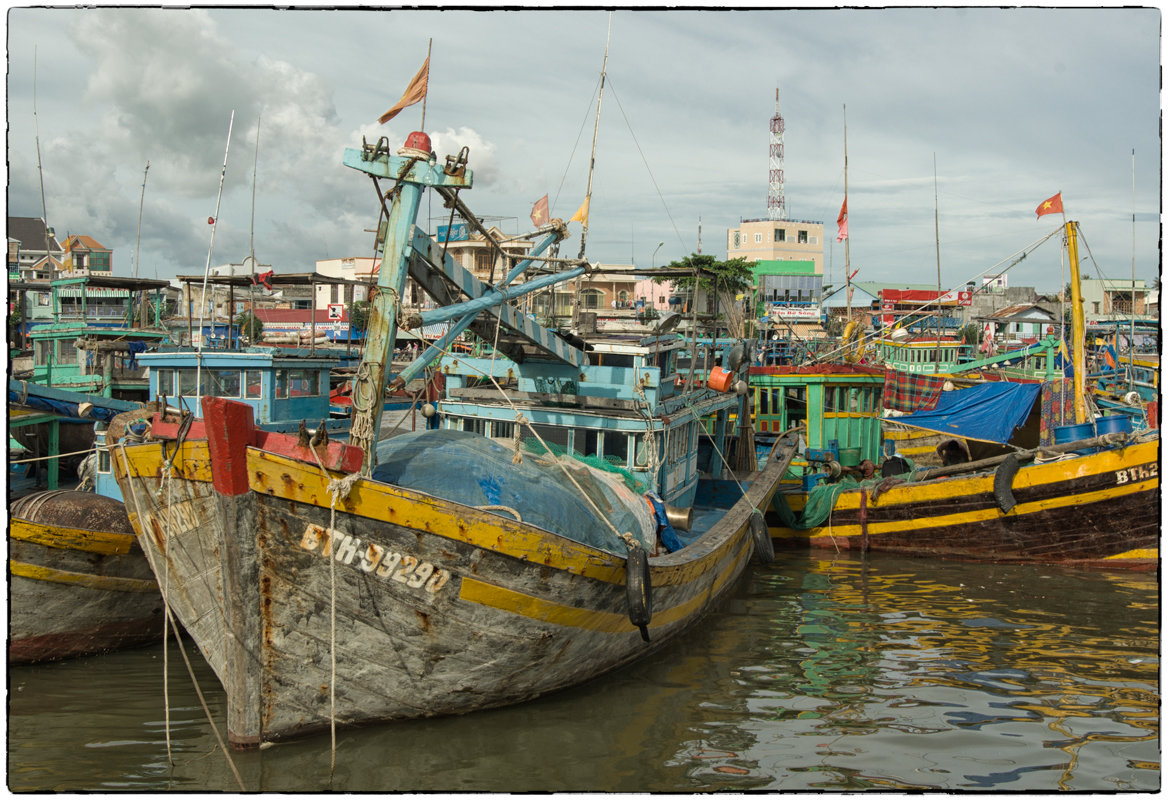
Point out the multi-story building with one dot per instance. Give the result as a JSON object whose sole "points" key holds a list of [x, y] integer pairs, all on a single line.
{"points": [[777, 240], [28, 260], [1111, 299], [83, 255]]}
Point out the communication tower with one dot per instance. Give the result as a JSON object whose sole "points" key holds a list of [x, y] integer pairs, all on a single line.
{"points": [[776, 202]]}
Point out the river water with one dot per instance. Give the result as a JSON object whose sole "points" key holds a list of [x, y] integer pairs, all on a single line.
{"points": [[837, 673]]}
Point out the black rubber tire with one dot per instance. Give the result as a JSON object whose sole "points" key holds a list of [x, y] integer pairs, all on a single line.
{"points": [[639, 590], [1004, 481], [764, 548]]}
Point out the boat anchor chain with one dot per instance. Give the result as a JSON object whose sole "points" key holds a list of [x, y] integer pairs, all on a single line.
{"points": [[638, 587], [764, 548]]}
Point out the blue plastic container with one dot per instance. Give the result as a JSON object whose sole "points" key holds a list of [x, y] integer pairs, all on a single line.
{"points": [[1116, 423], [1073, 433]]}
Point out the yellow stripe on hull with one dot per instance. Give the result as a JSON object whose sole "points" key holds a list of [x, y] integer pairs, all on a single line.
{"points": [[102, 582], [87, 541], [525, 605], [964, 518]]}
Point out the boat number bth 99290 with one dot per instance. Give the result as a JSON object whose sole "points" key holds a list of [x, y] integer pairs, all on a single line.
{"points": [[374, 558]]}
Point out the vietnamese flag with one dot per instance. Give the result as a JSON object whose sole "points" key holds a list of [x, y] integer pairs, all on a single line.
{"points": [[842, 221], [539, 212], [1053, 205]]}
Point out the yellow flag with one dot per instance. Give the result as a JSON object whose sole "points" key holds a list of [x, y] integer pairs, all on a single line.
{"points": [[581, 214]]}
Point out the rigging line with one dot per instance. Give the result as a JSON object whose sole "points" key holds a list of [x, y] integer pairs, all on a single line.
{"points": [[572, 155], [207, 269], [653, 179]]}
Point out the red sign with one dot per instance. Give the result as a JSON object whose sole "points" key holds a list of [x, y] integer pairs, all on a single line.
{"points": [[924, 296]]}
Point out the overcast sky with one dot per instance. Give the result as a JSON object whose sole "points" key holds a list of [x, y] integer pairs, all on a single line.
{"points": [[1013, 105]]}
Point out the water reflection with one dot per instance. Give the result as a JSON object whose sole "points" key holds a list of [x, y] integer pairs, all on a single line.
{"points": [[817, 674]]}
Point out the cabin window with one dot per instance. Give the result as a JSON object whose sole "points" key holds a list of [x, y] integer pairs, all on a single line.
{"points": [[616, 448], [166, 382], [220, 383], [502, 430], [103, 461], [763, 404], [297, 383], [587, 442], [41, 351], [252, 383], [66, 351], [554, 436], [796, 406], [186, 383]]}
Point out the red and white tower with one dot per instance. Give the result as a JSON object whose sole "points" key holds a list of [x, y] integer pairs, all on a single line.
{"points": [[776, 202]]}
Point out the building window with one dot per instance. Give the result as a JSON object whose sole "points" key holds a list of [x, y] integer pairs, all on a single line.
{"points": [[590, 298], [802, 237], [758, 238], [780, 234]]}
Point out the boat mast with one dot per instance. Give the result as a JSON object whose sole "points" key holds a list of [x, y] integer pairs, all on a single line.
{"points": [[40, 169], [592, 156], [848, 238], [1078, 332], [1131, 343], [937, 236]]}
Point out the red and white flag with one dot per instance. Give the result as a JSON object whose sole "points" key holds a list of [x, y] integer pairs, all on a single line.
{"points": [[842, 221]]}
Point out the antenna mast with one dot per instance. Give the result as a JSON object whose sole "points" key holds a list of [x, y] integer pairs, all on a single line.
{"points": [[40, 170], [776, 202]]}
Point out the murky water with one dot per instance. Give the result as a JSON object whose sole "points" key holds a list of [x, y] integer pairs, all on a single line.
{"points": [[817, 674]]}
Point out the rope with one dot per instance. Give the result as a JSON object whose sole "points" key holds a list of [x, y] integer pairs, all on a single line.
{"points": [[338, 490], [508, 509], [121, 447]]}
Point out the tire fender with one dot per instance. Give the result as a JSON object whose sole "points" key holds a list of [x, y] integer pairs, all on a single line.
{"points": [[639, 589], [764, 548], [1004, 481]]}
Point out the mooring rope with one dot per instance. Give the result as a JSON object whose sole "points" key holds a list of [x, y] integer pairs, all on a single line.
{"points": [[121, 446]]}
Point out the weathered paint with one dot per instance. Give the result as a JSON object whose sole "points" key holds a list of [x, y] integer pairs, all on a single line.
{"points": [[1101, 506], [449, 639]]}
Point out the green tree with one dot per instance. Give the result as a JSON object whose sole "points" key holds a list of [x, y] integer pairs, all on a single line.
{"points": [[970, 334], [249, 325], [358, 316], [733, 277]]}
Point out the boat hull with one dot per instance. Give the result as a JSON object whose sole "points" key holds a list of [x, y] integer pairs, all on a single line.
{"points": [[1099, 509], [78, 581], [395, 604]]}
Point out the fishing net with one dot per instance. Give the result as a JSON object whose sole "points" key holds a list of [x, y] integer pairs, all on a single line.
{"points": [[820, 502], [610, 464], [472, 470]]}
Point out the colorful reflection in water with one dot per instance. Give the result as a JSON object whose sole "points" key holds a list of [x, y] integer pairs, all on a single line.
{"points": [[816, 675], [878, 673]]}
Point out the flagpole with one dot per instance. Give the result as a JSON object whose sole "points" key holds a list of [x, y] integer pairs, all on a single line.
{"points": [[937, 235], [429, 45], [848, 238], [595, 130]]}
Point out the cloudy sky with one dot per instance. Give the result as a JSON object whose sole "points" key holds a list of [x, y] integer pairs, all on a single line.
{"points": [[1011, 105]]}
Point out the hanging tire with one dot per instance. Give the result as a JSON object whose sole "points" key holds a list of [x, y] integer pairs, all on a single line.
{"points": [[764, 548], [1004, 483], [639, 590]]}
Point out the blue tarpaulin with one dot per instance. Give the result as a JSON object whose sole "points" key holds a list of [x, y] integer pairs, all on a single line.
{"points": [[988, 411]]}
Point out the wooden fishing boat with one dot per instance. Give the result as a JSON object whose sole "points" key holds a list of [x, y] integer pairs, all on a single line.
{"points": [[528, 543], [1090, 496], [78, 582]]}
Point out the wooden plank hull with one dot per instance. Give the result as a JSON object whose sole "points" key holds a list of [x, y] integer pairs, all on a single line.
{"points": [[396, 604], [1101, 509], [76, 590]]}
